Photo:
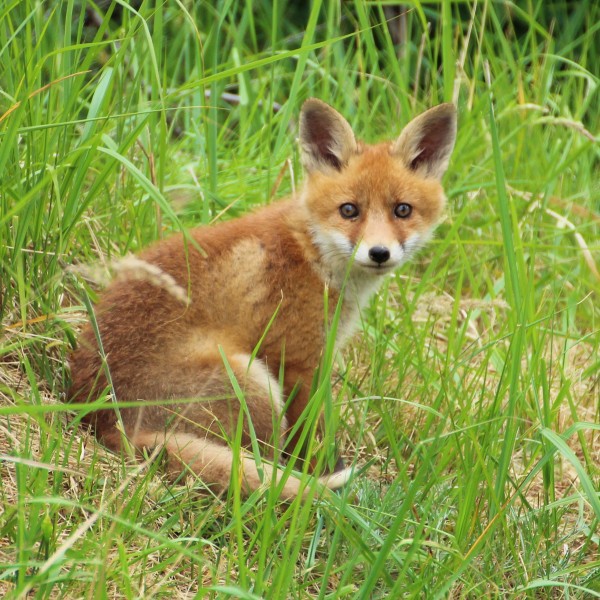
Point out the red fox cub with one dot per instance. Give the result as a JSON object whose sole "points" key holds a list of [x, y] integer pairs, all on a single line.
{"points": [[189, 313]]}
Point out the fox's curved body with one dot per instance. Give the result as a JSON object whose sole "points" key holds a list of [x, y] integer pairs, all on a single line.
{"points": [[182, 310]]}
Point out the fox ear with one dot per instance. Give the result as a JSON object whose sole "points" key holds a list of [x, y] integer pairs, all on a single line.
{"points": [[426, 143], [326, 138]]}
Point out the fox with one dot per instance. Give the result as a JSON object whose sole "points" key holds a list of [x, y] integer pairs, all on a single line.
{"points": [[241, 303]]}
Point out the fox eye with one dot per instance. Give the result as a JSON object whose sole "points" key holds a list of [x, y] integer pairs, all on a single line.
{"points": [[349, 210], [403, 210]]}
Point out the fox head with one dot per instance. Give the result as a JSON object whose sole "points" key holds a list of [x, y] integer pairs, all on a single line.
{"points": [[373, 205]]}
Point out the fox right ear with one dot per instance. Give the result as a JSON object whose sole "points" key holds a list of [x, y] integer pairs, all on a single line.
{"points": [[326, 139]]}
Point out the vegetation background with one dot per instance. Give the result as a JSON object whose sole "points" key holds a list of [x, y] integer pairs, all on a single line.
{"points": [[470, 403]]}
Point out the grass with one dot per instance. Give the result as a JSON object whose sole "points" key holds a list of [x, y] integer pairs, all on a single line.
{"points": [[469, 404]]}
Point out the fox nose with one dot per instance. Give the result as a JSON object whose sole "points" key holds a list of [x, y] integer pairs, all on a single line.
{"points": [[379, 254]]}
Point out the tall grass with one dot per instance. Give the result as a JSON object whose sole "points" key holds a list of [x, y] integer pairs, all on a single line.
{"points": [[469, 405]]}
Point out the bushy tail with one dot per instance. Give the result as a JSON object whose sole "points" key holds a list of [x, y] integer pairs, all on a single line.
{"points": [[213, 463]]}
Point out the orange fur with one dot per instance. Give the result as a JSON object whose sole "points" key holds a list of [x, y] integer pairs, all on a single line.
{"points": [[164, 327]]}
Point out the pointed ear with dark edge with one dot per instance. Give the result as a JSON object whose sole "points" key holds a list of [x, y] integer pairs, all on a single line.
{"points": [[326, 139], [426, 143]]}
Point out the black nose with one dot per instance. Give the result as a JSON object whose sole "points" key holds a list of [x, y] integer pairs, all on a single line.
{"points": [[379, 254]]}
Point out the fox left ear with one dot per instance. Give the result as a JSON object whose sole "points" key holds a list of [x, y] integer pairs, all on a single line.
{"points": [[426, 143], [326, 139]]}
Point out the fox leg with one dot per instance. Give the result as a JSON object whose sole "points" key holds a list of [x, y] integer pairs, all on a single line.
{"points": [[295, 412], [192, 432]]}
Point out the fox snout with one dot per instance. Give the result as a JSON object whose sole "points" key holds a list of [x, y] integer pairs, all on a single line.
{"points": [[382, 255], [379, 254]]}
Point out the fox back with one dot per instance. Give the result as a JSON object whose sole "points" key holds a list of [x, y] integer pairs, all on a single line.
{"points": [[242, 302]]}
